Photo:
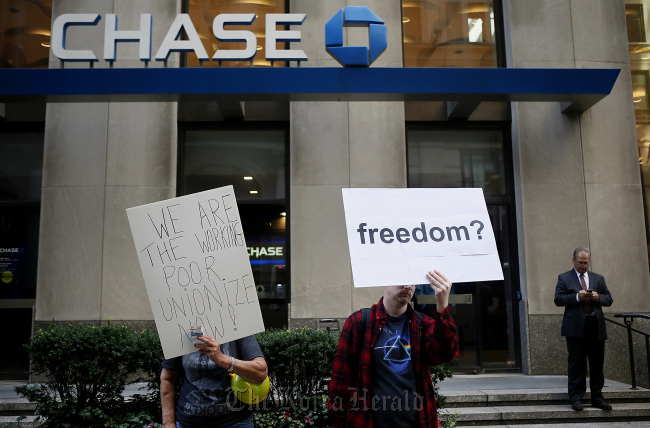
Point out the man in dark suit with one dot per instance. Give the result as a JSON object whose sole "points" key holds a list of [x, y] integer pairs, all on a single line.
{"points": [[583, 294]]}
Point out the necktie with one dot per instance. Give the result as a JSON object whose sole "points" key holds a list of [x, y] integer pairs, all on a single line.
{"points": [[584, 287]]}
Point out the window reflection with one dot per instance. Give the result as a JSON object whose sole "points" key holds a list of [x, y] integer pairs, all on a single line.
{"points": [[252, 161], [202, 13], [446, 33], [457, 159], [25, 33], [639, 51], [21, 166], [635, 24], [640, 95]]}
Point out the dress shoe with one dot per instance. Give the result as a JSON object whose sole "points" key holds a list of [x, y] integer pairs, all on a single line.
{"points": [[577, 406], [601, 404]]}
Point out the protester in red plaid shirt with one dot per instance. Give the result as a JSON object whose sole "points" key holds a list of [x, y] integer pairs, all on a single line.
{"points": [[381, 372]]}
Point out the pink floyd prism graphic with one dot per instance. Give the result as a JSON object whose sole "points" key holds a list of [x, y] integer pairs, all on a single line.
{"points": [[396, 349]]}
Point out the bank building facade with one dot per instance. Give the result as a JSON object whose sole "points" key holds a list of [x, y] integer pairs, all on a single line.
{"points": [[558, 168]]}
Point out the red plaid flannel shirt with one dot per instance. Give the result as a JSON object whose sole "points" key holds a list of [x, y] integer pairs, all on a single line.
{"points": [[434, 342]]}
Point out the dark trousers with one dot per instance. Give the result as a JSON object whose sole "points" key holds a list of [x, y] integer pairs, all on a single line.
{"points": [[587, 347]]}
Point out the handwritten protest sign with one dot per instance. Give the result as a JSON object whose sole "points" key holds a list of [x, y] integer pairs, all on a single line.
{"points": [[195, 265], [396, 236]]}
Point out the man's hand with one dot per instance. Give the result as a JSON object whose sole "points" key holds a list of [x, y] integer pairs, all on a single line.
{"points": [[586, 296], [441, 286], [254, 370], [211, 348]]}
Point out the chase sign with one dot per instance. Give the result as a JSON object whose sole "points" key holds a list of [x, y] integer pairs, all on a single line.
{"points": [[463, 89], [171, 42], [346, 55]]}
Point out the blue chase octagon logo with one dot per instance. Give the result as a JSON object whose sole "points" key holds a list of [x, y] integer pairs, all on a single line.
{"points": [[356, 16]]}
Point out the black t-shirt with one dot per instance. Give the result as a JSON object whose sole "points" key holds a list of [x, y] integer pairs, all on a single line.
{"points": [[395, 402], [205, 398]]}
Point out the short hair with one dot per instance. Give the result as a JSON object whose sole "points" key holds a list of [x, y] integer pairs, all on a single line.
{"points": [[581, 250]]}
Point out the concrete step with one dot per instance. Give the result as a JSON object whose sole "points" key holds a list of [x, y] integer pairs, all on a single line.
{"points": [[548, 414], [17, 413], [16, 407], [529, 397], [641, 424], [12, 421]]}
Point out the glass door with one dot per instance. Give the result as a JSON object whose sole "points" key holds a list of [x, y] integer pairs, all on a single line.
{"points": [[21, 175], [252, 160], [488, 326]]}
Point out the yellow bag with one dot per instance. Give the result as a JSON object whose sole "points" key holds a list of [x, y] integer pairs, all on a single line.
{"points": [[249, 392]]}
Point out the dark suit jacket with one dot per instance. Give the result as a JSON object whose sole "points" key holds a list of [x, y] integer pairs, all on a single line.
{"points": [[573, 323]]}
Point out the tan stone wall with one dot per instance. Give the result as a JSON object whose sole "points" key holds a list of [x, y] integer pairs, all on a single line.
{"points": [[335, 145], [578, 176], [549, 352], [99, 159]]}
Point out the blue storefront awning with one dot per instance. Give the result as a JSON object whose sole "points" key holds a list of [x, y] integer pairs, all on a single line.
{"points": [[462, 88]]}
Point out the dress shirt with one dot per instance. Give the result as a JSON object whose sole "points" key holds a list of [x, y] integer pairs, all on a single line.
{"points": [[586, 282]]}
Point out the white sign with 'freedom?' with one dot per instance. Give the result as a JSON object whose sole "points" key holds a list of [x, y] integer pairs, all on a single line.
{"points": [[195, 265], [396, 236]]}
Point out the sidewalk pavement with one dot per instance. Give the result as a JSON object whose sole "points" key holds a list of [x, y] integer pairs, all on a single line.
{"points": [[513, 381], [458, 384], [7, 389]]}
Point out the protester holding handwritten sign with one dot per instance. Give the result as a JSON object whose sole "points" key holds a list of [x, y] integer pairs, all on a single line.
{"points": [[195, 265]]}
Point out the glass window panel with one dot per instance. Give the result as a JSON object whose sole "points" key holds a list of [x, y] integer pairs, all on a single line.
{"points": [[203, 12], [21, 166], [457, 159], [635, 23], [448, 33], [639, 51], [19, 226], [252, 161], [14, 361], [640, 95], [25, 33]]}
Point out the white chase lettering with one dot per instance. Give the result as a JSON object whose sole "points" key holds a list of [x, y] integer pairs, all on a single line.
{"points": [[171, 42]]}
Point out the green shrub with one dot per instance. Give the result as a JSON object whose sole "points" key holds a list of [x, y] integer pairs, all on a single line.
{"points": [[85, 370], [438, 374], [303, 412], [149, 355], [298, 362]]}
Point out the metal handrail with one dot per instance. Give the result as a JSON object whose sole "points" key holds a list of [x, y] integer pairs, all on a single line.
{"points": [[628, 319]]}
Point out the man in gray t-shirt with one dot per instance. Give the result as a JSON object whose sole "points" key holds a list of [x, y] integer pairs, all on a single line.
{"points": [[204, 398]]}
